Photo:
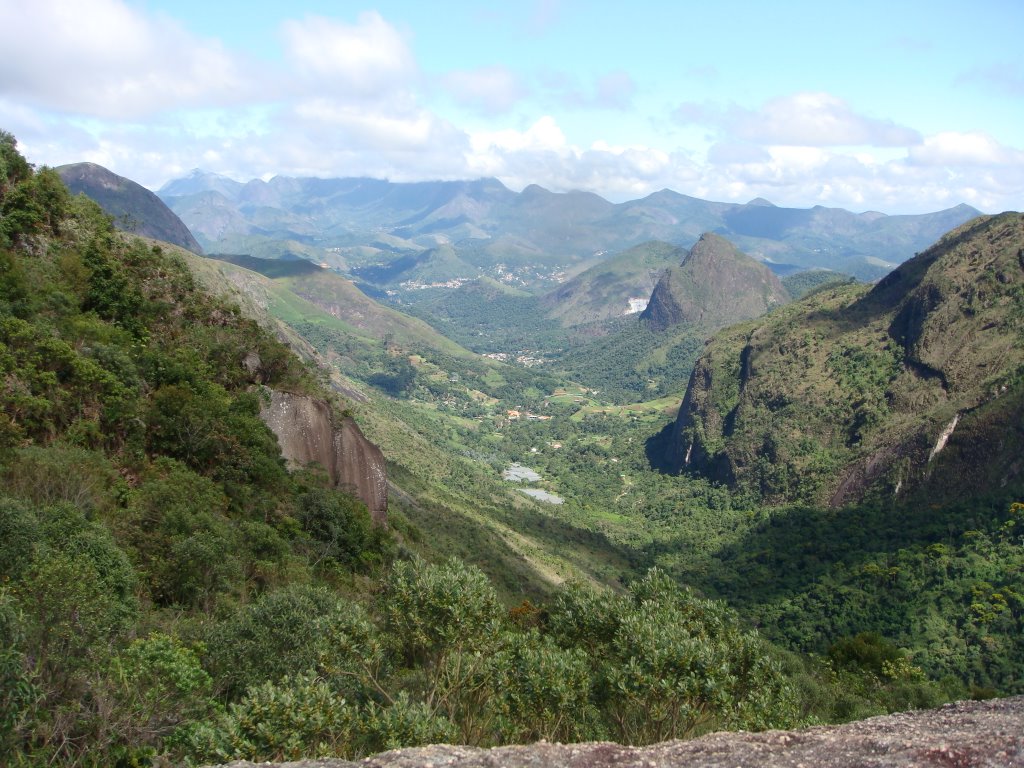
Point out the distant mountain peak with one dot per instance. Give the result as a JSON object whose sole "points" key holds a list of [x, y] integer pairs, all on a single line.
{"points": [[492, 226], [199, 180], [964, 207], [761, 201], [710, 248], [194, 175], [534, 190]]}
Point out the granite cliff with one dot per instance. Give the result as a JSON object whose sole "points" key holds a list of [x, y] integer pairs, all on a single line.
{"points": [[310, 433]]}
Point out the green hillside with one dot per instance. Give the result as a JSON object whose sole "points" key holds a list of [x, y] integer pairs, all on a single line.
{"points": [[603, 292], [143, 496], [171, 594], [857, 391], [324, 294]]}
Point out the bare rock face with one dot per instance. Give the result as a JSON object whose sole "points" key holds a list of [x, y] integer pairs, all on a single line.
{"points": [[309, 434], [134, 208], [989, 733]]}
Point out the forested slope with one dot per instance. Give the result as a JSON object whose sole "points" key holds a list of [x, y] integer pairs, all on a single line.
{"points": [[142, 493], [917, 383], [170, 592]]}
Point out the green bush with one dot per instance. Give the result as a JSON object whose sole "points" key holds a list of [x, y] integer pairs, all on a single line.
{"points": [[402, 723], [670, 665], [338, 525], [542, 691], [284, 632], [429, 610], [297, 717], [18, 690]]}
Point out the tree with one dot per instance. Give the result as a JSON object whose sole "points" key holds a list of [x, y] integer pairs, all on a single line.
{"points": [[338, 524], [671, 665]]}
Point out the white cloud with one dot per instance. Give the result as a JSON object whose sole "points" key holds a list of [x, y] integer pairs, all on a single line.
{"points": [[964, 149], [111, 83], [490, 90], [945, 171], [800, 119], [367, 58], [543, 135], [366, 129], [109, 60], [542, 155], [736, 153], [821, 120]]}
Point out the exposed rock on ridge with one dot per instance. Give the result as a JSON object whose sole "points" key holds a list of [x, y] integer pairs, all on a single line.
{"points": [[135, 209], [989, 733], [603, 292], [308, 433]]}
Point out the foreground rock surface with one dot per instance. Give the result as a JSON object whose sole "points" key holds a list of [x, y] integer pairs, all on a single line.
{"points": [[961, 735]]}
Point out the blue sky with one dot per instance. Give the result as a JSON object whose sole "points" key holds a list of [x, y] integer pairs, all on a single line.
{"points": [[902, 107]]}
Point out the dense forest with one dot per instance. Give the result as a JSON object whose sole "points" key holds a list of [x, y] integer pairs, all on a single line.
{"points": [[169, 591]]}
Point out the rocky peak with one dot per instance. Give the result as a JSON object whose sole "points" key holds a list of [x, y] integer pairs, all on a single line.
{"points": [[716, 285], [134, 208]]}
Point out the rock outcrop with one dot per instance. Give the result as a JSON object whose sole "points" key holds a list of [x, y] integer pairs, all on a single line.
{"points": [[716, 285], [310, 434], [989, 733], [135, 209]]}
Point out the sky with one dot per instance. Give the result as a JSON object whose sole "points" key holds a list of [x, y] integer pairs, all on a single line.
{"points": [[897, 106]]}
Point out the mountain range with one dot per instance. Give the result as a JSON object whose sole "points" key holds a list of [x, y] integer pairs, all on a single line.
{"points": [[384, 232]]}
